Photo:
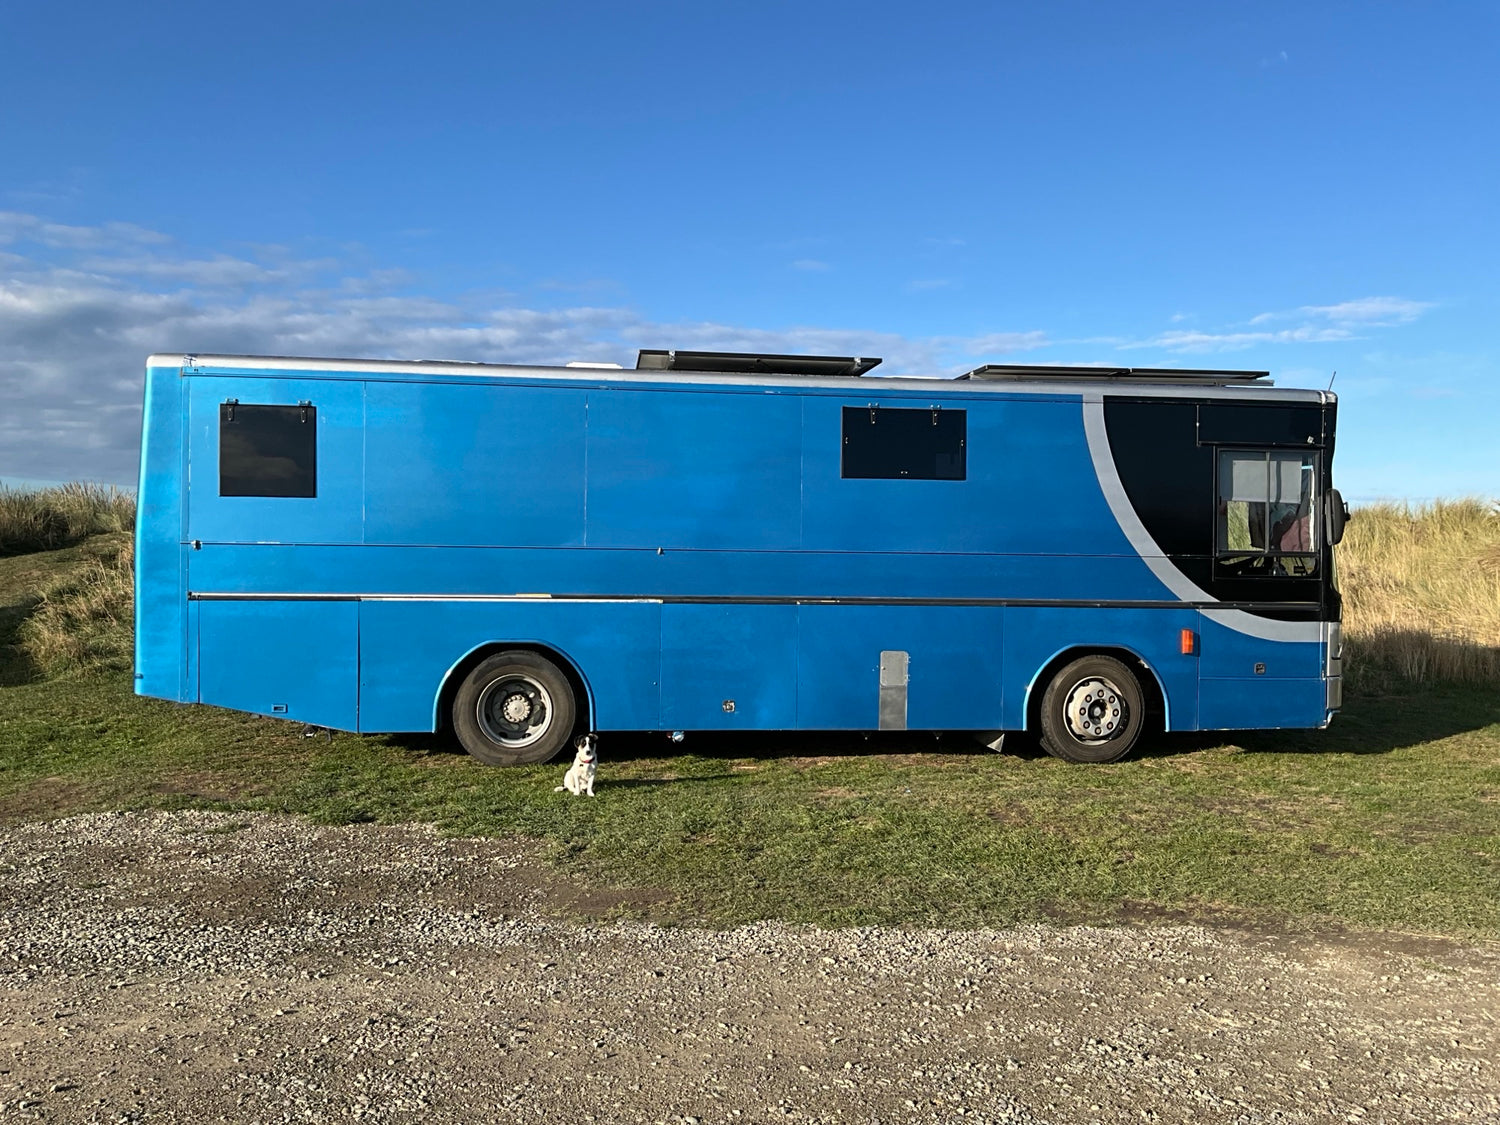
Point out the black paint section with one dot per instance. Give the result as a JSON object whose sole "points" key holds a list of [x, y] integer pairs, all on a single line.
{"points": [[1167, 470], [1168, 477]]}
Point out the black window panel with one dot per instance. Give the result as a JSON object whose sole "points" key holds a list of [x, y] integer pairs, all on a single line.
{"points": [[268, 450], [1244, 424], [901, 444]]}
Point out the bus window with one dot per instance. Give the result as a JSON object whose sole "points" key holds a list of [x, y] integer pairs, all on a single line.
{"points": [[895, 443], [1266, 511], [268, 450]]}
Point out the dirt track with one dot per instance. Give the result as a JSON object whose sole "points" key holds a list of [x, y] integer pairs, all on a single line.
{"points": [[202, 967]]}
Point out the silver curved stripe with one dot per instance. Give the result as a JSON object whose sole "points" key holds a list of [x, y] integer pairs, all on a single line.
{"points": [[1173, 579]]}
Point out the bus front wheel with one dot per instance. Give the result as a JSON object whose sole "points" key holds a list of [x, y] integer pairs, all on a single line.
{"points": [[1093, 711], [515, 708]]}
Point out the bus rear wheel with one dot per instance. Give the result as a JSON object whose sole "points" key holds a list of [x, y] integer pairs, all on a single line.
{"points": [[515, 708], [1093, 711]]}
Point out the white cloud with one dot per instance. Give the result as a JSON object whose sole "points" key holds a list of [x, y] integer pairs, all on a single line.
{"points": [[1371, 310], [1182, 341], [1005, 343], [1309, 324], [1366, 311], [219, 271], [16, 227], [79, 316], [375, 281], [81, 307]]}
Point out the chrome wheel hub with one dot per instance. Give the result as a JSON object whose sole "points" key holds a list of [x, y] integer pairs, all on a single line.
{"points": [[1094, 711], [514, 710]]}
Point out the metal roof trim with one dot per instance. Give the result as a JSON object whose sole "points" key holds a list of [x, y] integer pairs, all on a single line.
{"points": [[385, 368]]}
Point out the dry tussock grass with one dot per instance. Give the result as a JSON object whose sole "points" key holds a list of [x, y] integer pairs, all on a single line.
{"points": [[86, 619], [1421, 586], [48, 518]]}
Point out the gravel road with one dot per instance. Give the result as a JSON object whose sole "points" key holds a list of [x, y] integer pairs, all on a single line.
{"points": [[208, 967]]}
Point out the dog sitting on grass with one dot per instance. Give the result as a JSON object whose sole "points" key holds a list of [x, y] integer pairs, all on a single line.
{"points": [[580, 776]]}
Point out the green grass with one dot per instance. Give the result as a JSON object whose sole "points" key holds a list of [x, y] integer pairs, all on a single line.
{"points": [[1390, 819], [83, 617]]}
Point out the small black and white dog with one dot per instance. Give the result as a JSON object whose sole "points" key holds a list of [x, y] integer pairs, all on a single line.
{"points": [[580, 776]]}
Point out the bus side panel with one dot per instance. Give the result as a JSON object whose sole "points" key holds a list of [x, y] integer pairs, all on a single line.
{"points": [[473, 466], [432, 571], [694, 470], [292, 660], [729, 667], [1260, 703], [1229, 653], [407, 649], [334, 515], [1288, 690], [954, 665], [161, 633], [1029, 489], [1034, 635]]}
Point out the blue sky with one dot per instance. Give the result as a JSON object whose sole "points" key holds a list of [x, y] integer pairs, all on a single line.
{"points": [[1303, 187]]}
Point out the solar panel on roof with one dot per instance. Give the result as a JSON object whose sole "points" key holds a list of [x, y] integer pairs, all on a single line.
{"points": [[1033, 373], [753, 363]]}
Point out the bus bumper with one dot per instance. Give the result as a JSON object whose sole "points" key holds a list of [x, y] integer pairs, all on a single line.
{"points": [[1333, 667]]}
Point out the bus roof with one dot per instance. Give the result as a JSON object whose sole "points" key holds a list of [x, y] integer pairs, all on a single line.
{"points": [[818, 372]]}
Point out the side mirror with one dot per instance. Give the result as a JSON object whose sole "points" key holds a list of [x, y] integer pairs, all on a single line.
{"points": [[1338, 516]]}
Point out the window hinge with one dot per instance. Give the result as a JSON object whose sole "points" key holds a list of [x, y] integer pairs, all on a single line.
{"points": [[305, 405], [229, 409]]}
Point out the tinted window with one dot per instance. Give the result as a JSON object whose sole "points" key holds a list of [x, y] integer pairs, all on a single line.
{"points": [[904, 444], [268, 450], [1238, 424]]}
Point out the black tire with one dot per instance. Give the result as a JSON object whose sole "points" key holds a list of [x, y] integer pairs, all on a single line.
{"points": [[514, 709], [1108, 708]]}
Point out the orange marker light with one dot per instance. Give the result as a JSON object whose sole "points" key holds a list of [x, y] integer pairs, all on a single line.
{"points": [[1189, 642]]}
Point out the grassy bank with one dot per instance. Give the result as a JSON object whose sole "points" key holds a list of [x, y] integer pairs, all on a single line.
{"points": [[48, 518], [1421, 591], [1390, 819]]}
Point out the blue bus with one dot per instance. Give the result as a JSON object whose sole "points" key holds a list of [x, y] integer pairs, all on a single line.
{"points": [[724, 541]]}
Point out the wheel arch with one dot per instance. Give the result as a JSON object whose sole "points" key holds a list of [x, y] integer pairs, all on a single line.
{"points": [[583, 694], [1151, 685]]}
